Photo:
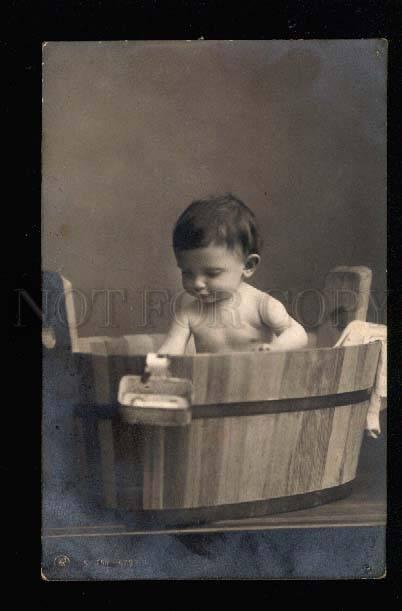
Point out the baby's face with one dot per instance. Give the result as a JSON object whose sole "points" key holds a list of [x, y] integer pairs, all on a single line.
{"points": [[212, 273]]}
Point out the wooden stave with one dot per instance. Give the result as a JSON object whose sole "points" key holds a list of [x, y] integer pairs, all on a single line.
{"points": [[233, 475], [158, 464], [356, 363], [239, 377]]}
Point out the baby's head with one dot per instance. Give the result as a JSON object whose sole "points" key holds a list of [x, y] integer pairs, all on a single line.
{"points": [[217, 246]]}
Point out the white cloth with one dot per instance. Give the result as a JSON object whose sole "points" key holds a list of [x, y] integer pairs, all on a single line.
{"points": [[361, 332]]}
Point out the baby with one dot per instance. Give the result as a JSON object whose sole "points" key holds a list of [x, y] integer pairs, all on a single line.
{"points": [[217, 249]]}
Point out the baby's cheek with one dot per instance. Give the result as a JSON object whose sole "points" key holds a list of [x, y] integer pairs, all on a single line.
{"points": [[213, 285], [222, 281]]}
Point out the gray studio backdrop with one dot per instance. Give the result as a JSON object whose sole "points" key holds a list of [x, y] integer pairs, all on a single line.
{"points": [[134, 131]]}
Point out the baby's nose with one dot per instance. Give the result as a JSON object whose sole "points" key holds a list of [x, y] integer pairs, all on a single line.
{"points": [[199, 283]]}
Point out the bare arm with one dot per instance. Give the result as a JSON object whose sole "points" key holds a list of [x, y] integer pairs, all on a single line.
{"points": [[293, 337], [178, 335], [288, 333]]}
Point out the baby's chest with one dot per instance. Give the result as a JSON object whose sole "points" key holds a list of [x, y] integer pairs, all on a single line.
{"points": [[233, 332]]}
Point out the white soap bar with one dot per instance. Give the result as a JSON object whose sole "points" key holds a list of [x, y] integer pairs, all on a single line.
{"points": [[156, 365]]}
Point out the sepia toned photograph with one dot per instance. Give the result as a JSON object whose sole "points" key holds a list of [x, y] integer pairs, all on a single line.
{"points": [[214, 306]]}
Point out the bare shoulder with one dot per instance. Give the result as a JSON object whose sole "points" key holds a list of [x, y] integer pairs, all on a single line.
{"points": [[272, 311], [266, 298], [260, 298], [252, 294]]}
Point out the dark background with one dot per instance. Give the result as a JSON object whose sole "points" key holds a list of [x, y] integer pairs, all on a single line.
{"points": [[134, 131]]}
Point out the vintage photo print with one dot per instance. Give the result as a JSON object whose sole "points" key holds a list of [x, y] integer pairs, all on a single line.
{"points": [[214, 309]]}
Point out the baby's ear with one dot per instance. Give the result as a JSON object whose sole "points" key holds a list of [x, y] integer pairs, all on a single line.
{"points": [[250, 265]]}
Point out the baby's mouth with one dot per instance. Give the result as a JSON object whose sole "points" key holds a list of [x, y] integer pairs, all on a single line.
{"points": [[204, 296]]}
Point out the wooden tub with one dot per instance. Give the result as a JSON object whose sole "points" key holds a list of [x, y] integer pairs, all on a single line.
{"points": [[269, 432]]}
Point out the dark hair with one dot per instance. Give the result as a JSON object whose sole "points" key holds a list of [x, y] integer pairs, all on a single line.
{"points": [[222, 219]]}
